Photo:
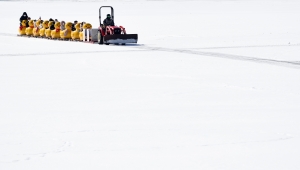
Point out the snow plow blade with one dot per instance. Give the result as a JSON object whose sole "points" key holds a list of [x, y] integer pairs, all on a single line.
{"points": [[120, 38]]}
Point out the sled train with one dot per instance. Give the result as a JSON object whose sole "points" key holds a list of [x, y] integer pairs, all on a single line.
{"points": [[104, 34]]}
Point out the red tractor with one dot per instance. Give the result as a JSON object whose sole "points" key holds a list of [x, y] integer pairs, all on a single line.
{"points": [[114, 34]]}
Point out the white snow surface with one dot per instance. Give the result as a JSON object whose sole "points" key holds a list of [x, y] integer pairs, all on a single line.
{"points": [[211, 85]]}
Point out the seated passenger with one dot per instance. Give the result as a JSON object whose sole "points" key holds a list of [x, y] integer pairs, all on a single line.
{"points": [[62, 25], [73, 25], [81, 26], [52, 26], [41, 24]]}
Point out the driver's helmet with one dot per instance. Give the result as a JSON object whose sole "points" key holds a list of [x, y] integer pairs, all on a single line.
{"points": [[108, 16]]}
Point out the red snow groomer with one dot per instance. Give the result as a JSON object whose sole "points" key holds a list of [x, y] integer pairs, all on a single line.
{"points": [[114, 34]]}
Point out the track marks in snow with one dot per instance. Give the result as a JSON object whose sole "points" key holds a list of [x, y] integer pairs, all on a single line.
{"points": [[294, 64], [245, 46], [282, 138], [68, 52], [7, 34], [15, 158]]}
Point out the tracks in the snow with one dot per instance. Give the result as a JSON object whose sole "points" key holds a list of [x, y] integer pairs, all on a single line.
{"points": [[7, 34], [194, 51], [67, 52], [295, 64]]}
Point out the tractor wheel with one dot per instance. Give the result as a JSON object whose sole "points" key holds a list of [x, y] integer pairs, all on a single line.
{"points": [[100, 38]]}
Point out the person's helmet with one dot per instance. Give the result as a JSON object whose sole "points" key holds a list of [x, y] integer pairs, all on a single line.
{"points": [[108, 16]]}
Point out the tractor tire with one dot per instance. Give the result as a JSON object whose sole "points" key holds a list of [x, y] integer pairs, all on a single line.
{"points": [[100, 38]]}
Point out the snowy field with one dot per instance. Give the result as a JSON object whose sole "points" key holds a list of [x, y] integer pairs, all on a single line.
{"points": [[211, 85]]}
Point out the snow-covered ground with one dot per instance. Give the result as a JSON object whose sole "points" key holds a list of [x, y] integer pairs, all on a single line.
{"points": [[211, 85]]}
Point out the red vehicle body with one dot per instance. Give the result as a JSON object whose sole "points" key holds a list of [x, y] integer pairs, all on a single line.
{"points": [[114, 34]]}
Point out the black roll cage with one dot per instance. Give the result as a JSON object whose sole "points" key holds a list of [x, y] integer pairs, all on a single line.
{"points": [[111, 13]]}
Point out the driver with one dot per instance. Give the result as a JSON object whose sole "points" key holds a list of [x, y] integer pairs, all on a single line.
{"points": [[108, 21]]}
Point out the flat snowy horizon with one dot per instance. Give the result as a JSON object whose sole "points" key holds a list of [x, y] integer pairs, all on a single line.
{"points": [[210, 85]]}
